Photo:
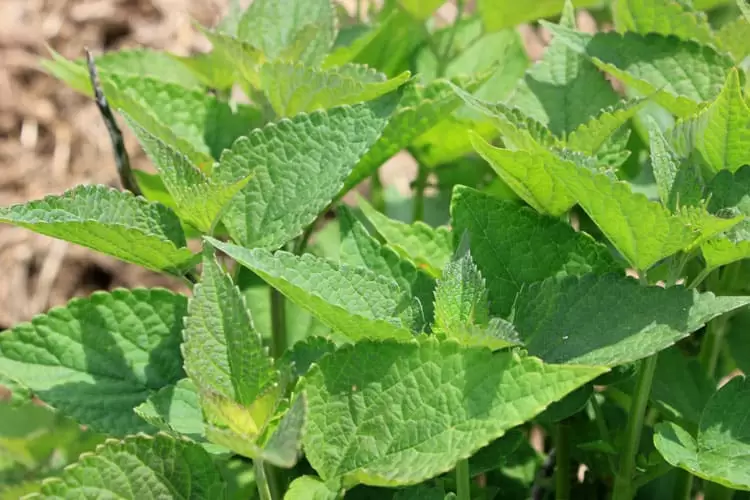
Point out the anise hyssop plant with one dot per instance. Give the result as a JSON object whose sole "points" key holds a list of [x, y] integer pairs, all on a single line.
{"points": [[558, 311]]}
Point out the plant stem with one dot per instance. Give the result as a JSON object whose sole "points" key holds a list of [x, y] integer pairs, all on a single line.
{"points": [[377, 198], [562, 468], [712, 342], [278, 324], [684, 487], [122, 160], [623, 489], [714, 491], [263, 480], [601, 425], [463, 480], [444, 58], [419, 186]]}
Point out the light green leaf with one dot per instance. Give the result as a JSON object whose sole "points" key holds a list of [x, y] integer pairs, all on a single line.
{"points": [[175, 408], [644, 232], [467, 397], [498, 14], [744, 9], [421, 9], [298, 166], [678, 180], [283, 448], [354, 301], [532, 175], [130, 62], [665, 17], [200, 201], [310, 488], [610, 320], [595, 136], [275, 26], [722, 251], [420, 108], [98, 358], [109, 221], [358, 248], [720, 133], [461, 294], [303, 354], [294, 88], [720, 451], [518, 130], [236, 57], [655, 65], [431, 248], [729, 194], [564, 90], [140, 467], [514, 245], [733, 36], [680, 387], [223, 352], [210, 70]]}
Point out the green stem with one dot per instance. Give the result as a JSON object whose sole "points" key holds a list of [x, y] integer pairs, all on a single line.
{"points": [[377, 197], [714, 491], [562, 468], [463, 480], [712, 342], [265, 479], [278, 324], [684, 487], [444, 58], [601, 424], [699, 279], [419, 187], [623, 489]]}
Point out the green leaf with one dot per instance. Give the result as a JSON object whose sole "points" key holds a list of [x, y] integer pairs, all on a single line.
{"points": [[467, 397], [595, 137], [235, 57], [720, 133], [420, 9], [461, 295], [275, 27], [533, 176], [744, 9], [109, 221], [303, 354], [498, 14], [729, 194], [644, 232], [296, 88], [721, 251], [283, 448], [223, 352], [431, 248], [665, 17], [200, 201], [420, 108], [678, 180], [655, 65], [719, 452], [98, 358], [311, 488], [564, 90], [140, 467], [175, 408], [680, 387], [732, 37], [609, 320], [130, 62], [358, 248], [298, 166], [354, 301], [514, 245]]}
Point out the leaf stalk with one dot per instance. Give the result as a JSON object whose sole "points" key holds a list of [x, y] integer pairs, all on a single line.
{"points": [[463, 480]]}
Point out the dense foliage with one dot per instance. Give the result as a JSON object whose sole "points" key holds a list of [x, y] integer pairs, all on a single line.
{"points": [[572, 264]]}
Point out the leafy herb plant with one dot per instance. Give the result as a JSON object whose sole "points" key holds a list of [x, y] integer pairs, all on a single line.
{"points": [[572, 264]]}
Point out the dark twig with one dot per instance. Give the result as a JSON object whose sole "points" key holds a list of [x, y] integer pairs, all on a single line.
{"points": [[122, 162]]}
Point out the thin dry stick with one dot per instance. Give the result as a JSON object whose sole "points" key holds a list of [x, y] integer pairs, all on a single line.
{"points": [[122, 161]]}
